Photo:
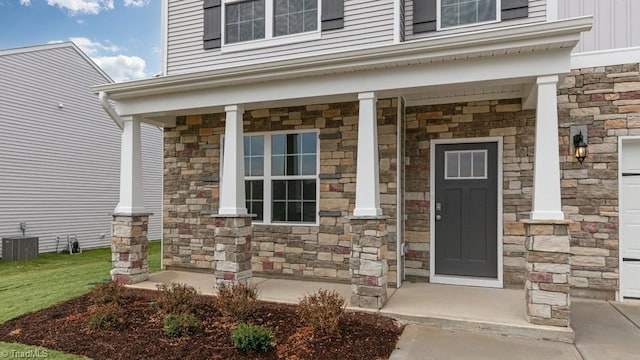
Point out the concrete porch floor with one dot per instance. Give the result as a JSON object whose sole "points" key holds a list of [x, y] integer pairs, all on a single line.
{"points": [[460, 308]]}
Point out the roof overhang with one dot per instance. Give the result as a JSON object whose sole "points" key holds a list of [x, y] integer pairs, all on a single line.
{"points": [[510, 56]]}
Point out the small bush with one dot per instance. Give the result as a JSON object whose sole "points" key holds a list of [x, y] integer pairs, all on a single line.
{"points": [[247, 337], [107, 316], [181, 325], [237, 301], [322, 311], [107, 293], [177, 299]]}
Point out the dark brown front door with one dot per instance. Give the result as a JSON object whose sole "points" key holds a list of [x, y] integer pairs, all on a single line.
{"points": [[466, 209]]}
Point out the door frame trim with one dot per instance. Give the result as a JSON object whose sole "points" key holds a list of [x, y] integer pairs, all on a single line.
{"points": [[620, 292], [464, 280]]}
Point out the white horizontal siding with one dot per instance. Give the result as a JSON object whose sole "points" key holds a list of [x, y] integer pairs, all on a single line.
{"points": [[59, 168], [616, 23], [366, 23], [537, 13]]}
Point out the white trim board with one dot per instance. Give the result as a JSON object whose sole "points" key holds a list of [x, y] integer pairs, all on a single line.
{"points": [[605, 58], [619, 292], [464, 280]]}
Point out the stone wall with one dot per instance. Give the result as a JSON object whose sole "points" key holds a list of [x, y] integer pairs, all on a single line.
{"points": [[607, 100], [477, 119], [191, 179]]}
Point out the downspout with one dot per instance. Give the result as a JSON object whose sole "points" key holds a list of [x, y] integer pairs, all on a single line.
{"points": [[104, 101]]}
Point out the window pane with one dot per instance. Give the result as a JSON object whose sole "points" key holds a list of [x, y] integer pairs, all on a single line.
{"points": [[293, 145], [309, 212], [449, 16], [281, 7], [308, 164], [257, 145], [309, 190], [310, 20], [258, 29], [294, 211], [279, 189], [257, 190], [478, 164], [281, 25], [246, 31], [258, 209], [247, 166], [465, 164], [245, 21], [310, 4], [467, 13], [295, 16], [486, 10], [293, 167], [232, 33], [257, 166], [258, 8], [279, 211], [245, 11], [294, 190], [309, 143], [277, 165], [295, 23], [232, 14], [295, 6], [452, 164], [278, 144]]}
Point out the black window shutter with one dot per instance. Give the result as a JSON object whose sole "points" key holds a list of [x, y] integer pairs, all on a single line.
{"points": [[212, 24], [424, 15], [514, 9], [332, 14]]}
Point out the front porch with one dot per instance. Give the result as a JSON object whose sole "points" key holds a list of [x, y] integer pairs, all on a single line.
{"points": [[459, 308]]}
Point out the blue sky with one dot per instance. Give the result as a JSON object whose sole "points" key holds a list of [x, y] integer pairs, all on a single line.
{"points": [[122, 36]]}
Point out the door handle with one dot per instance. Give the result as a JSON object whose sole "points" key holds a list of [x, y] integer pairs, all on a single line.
{"points": [[438, 217]]}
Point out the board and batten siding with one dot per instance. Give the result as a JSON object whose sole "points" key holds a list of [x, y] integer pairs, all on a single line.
{"points": [[59, 166], [367, 23], [537, 13], [616, 23]]}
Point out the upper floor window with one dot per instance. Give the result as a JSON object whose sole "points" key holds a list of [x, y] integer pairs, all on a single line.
{"points": [[245, 21], [295, 16], [465, 12]]}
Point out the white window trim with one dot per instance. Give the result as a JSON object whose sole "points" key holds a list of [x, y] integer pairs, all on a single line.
{"points": [[267, 177], [439, 18], [446, 161], [269, 40]]}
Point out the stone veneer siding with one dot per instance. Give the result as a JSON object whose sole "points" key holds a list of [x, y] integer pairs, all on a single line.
{"points": [[607, 100], [468, 120], [191, 179]]}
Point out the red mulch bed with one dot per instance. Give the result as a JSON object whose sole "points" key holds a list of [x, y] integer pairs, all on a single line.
{"points": [[64, 327]]}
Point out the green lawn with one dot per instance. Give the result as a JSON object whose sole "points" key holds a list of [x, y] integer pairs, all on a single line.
{"points": [[28, 286]]}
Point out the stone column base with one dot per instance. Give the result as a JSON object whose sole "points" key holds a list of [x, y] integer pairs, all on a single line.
{"points": [[232, 254], [368, 261], [129, 248], [547, 272]]}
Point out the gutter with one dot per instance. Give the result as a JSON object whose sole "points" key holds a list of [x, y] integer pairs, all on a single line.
{"points": [[104, 101]]}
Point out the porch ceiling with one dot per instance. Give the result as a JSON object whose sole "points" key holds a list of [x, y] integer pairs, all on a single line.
{"points": [[485, 63]]}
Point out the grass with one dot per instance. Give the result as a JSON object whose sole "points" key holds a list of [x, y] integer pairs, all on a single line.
{"points": [[28, 286]]}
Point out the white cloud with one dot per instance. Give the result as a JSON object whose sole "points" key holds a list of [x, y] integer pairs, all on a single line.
{"points": [[25, 2], [136, 3], [80, 21], [93, 48], [82, 6], [122, 67]]}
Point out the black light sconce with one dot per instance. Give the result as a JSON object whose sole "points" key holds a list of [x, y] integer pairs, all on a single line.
{"points": [[579, 147]]}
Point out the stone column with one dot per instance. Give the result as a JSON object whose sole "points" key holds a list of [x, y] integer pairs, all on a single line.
{"points": [[547, 272], [368, 261], [129, 248], [232, 254]]}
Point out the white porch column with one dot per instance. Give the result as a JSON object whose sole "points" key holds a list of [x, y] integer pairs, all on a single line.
{"points": [[232, 199], [131, 193], [367, 174], [547, 204]]}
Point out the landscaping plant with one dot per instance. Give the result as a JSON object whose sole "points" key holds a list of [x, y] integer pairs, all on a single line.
{"points": [[177, 299], [237, 301], [247, 338], [181, 325], [107, 317], [322, 311]]}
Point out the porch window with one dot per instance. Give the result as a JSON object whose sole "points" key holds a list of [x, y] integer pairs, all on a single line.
{"points": [[281, 177], [455, 13]]}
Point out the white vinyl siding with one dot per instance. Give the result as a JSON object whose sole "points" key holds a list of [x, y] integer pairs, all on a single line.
{"points": [[615, 23], [366, 23], [59, 168], [537, 13]]}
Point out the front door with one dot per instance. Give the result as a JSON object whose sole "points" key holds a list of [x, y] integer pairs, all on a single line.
{"points": [[630, 218], [466, 209]]}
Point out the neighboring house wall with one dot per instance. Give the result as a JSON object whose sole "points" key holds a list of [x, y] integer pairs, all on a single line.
{"points": [[537, 12], [192, 165], [366, 23], [59, 167], [615, 24]]}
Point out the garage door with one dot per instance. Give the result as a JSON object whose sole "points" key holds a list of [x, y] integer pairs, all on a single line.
{"points": [[630, 218]]}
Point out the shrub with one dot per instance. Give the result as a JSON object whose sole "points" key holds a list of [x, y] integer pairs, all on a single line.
{"points": [[177, 299], [322, 311], [107, 293], [247, 337], [181, 325], [107, 316], [237, 301]]}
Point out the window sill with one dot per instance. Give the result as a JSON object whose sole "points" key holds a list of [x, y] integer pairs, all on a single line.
{"points": [[271, 42]]}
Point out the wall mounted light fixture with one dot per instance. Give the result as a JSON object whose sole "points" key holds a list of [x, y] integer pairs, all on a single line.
{"points": [[579, 147]]}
